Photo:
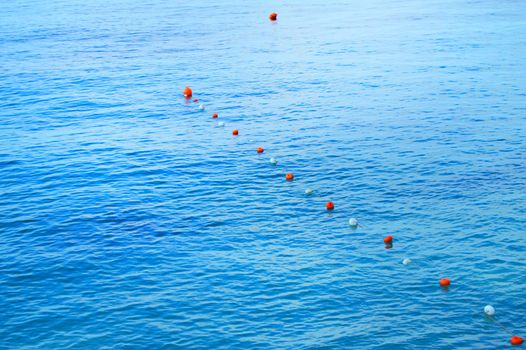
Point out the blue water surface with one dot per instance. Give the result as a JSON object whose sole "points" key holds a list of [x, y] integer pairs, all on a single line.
{"points": [[130, 220]]}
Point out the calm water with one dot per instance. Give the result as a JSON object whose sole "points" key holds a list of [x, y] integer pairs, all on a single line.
{"points": [[130, 220]]}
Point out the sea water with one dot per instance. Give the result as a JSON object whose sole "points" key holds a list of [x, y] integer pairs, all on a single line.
{"points": [[129, 220]]}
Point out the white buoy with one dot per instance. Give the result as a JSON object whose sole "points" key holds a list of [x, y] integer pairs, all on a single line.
{"points": [[201, 107], [407, 261], [273, 161], [489, 310], [309, 191], [353, 222], [221, 124]]}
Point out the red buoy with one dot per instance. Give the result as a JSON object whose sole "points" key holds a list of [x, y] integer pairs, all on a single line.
{"points": [[187, 92], [388, 240], [214, 115], [445, 282], [516, 340], [273, 16], [289, 177], [260, 150], [235, 132], [329, 205]]}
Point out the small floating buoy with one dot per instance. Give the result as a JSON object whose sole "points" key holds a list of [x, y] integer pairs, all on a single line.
{"points": [[489, 310], [187, 92], [407, 261], [260, 150], [353, 222], [201, 107], [273, 161], [445, 282], [329, 205], [516, 340], [289, 177], [388, 240], [214, 115], [235, 132], [309, 191], [221, 124], [273, 16]]}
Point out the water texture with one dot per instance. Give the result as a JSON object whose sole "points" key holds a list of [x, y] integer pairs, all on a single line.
{"points": [[130, 220]]}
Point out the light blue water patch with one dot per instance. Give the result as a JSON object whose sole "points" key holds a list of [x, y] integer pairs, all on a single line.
{"points": [[130, 220]]}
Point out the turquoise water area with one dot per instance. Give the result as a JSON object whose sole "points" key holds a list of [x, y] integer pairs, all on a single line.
{"points": [[130, 220]]}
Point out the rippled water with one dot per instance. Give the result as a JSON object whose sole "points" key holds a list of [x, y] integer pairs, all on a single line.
{"points": [[130, 220]]}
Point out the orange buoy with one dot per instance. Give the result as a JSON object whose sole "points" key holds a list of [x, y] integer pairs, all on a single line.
{"points": [[445, 282], [516, 340], [388, 240], [289, 177], [260, 150], [329, 205], [187, 92], [214, 115], [273, 16], [235, 132]]}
